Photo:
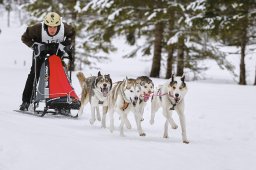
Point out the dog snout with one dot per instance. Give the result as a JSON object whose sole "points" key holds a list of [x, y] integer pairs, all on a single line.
{"points": [[105, 85], [176, 94], [136, 98]]}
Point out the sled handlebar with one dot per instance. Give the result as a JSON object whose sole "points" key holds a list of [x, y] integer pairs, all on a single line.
{"points": [[52, 48]]}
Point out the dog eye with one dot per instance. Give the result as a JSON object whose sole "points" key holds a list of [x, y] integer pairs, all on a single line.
{"points": [[131, 91], [180, 88], [174, 87], [145, 87]]}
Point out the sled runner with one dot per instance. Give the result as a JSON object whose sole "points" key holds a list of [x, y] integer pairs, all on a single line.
{"points": [[53, 89], [53, 114]]}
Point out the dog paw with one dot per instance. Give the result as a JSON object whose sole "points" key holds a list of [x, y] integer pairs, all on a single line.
{"points": [[92, 121], [165, 136], [186, 141], [103, 126], [98, 118], [151, 121], [174, 126], [111, 129], [129, 126], [143, 134]]}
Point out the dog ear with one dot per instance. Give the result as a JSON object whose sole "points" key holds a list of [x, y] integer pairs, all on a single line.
{"points": [[172, 82], [99, 74], [183, 78], [110, 80], [172, 77], [125, 81]]}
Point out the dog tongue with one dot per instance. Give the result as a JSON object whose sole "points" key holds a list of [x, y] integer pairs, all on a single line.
{"points": [[105, 92], [146, 97], [177, 99]]}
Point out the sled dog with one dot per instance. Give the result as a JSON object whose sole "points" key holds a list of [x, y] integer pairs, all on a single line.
{"points": [[95, 89], [122, 99], [146, 89], [170, 96]]}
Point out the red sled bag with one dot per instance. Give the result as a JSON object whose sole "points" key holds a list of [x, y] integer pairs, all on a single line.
{"points": [[55, 87]]}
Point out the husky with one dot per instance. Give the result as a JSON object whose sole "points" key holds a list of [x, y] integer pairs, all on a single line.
{"points": [[123, 99], [147, 89], [170, 96], [95, 89]]}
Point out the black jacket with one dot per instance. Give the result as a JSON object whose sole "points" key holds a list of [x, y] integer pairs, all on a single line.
{"points": [[33, 34]]}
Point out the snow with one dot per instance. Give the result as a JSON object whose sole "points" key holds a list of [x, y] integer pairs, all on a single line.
{"points": [[221, 123]]}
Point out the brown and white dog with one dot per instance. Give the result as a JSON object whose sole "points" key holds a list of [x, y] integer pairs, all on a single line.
{"points": [[123, 99], [146, 90], [170, 96], [95, 89]]}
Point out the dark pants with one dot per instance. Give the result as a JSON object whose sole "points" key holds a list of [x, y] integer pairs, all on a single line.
{"points": [[27, 92]]}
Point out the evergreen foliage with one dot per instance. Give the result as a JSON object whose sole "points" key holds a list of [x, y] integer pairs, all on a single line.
{"points": [[190, 30]]}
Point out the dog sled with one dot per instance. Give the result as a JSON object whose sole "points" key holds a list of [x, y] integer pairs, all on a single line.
{"points": [[53, 92]]}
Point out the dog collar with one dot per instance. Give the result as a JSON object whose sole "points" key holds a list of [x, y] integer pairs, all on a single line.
{"points": [[125, 105]]}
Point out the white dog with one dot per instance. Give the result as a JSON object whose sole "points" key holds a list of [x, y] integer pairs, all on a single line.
{"points": [[146, 90], [123, 99], [170, 96]]}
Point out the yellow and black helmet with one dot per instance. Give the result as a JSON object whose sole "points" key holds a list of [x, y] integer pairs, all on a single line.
{"points": [[52, 19]]}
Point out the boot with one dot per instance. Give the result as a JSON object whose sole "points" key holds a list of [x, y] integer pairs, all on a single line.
{"points": [[24, 106]]}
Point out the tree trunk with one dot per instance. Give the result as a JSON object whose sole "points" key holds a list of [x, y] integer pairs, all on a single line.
{"points": [[255, 78], [72, 62], [242, 77], [156, 64], [180, 62], [170, 46], [169, 61], [8, 17]]}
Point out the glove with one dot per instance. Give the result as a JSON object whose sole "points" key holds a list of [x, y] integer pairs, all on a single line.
{"points": [[69, 49], [66, 49], [52, 48], [38, 48]]}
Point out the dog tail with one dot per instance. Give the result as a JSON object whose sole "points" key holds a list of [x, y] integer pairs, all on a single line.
{"points": [[81, 78]]}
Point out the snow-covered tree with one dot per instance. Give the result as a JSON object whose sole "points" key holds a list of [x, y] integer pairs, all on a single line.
{"points": [[233, 22]]}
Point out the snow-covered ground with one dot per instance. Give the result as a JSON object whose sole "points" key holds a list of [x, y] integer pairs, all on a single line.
{"points": [[221, 123]]}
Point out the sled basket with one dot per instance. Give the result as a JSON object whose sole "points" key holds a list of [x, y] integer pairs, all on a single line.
{"points": [[55, 87]]}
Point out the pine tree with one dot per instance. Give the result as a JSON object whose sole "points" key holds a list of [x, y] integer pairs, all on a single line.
{"points": [[255, 78], [233, 21], [156, 63]]}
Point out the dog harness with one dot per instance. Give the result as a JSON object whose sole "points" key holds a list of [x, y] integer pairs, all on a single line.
{"points": [[125, 105], [159, 93], [126, 101]]}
